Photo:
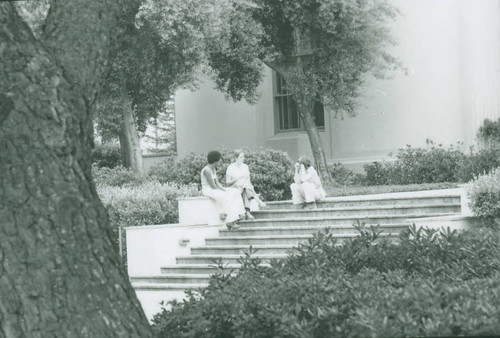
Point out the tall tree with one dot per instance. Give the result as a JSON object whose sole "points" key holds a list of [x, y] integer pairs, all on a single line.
{"points": [[60, 274], [322, 48], [148, 66]]}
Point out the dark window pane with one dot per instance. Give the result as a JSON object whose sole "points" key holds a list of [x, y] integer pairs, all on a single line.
{"points": [[319, 114], [280, 112], [288, 116], [285, 112], [294, 114]]}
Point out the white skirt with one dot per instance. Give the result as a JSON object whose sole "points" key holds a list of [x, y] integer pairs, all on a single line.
{"points": [[228, 202]]}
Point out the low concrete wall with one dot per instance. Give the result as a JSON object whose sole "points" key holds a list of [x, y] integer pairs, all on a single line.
{"points": [[151, 247], [198, 210]]}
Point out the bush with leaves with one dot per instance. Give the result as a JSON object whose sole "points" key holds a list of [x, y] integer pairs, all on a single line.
{"points": [[417, 165], [270, 171], [107, 155], [484, 195], [148, 203], [115, 177], [428, 284], [479, 163], [343, 176]]}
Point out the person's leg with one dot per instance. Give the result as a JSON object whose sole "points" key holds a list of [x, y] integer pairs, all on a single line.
{"points": [[223, 204], [218, 197], [297, 194], [247, 195], [310, 194], [235, 208]]}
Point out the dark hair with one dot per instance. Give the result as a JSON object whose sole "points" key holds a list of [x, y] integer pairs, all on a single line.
{"points": [[213, 156], [305, 161]]}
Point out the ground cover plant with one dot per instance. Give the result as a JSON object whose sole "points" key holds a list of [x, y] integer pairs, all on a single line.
{"points": [[384, 189], [427, 284]]}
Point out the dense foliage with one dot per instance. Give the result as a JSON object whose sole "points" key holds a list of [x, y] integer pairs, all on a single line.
{"points": [[480, 163], [271, 171], [427, 285], [484, 195], [490, 131], [431, 165], [134, 200], [107, 155]]}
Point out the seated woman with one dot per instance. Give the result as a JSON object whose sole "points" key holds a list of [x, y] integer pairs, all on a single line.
{"points": [[238, 176], [227, 200], [307, 189]]}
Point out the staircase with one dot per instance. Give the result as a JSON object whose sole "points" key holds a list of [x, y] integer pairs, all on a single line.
{"points": [[280, 227]]}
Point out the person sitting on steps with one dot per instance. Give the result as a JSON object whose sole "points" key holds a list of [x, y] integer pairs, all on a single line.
{"points": [[227, 200], [238, 176], [307, 189]]}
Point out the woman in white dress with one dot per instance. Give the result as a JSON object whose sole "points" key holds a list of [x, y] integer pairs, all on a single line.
{"points": [[238, 176], [307, 189], [227, 200]]}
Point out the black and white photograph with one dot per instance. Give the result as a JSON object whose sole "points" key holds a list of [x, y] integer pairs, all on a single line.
{"points": [[249, 168]]}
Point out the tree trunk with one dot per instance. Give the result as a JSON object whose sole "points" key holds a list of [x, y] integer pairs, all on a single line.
{"points": [[316, 146], [60, 273], [129, 141]]}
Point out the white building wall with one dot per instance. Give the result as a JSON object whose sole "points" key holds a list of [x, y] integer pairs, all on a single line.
{"points": [[206, 120], [451, 51]]}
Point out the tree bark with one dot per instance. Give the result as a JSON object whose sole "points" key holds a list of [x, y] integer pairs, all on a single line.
{"points": [[60, 273], [129, 141], [316, 145]]}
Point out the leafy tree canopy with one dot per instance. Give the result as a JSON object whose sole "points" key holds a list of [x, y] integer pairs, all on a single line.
{"points": [[323, 48], [158, 51]]}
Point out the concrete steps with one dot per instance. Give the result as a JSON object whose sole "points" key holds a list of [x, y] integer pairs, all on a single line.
{"points": [[357, 211], [374, 200], [334, 220], [198, 269], [248, 240], [292, 230], [281, 227]]}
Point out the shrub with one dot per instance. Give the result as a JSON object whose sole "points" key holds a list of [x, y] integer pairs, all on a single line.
{"points": [[179, 171], [115, 177], [144, 204], [107, 155], [356, 290], [490, 131], [377, 173], [270, 171], [476, 164], [417, 165], [343, 176], [484, 196]]}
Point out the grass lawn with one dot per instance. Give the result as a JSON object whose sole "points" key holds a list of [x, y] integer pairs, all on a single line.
{"points": [[380, 189]]}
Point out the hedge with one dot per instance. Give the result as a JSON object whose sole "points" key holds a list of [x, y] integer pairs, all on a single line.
{"points": [[427, 285]]}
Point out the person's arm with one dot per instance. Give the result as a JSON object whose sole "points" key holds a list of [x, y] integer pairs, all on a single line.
{"points": [[210, 180], [309, 174], [245, 179], [230, 179], [299, 173], [217, 183]]}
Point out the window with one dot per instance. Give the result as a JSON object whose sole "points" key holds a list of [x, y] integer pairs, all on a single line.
{"points": [[288, 118]]}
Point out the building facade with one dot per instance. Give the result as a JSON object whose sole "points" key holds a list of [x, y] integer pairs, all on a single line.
{"points": [[451, 52]]}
